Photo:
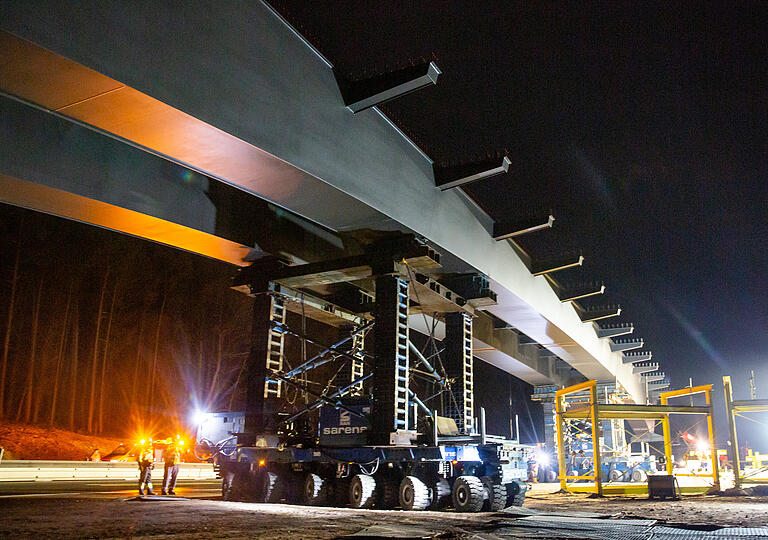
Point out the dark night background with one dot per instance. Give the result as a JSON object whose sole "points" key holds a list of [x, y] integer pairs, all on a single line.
{"points": [[641, 125]]}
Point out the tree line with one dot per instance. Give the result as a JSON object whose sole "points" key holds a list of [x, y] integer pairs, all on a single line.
{"points": [[105, 333]]}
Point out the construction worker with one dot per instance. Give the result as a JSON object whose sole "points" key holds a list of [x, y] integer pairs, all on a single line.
{"points": [[172, 458], [146, 464]]}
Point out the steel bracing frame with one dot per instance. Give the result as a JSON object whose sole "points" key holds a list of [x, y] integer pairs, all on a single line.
{"points": [[395, 291], [595, 412]]}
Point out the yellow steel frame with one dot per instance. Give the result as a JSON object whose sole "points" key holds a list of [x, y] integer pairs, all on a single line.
{"points": [[606, 411], [732, 409]]}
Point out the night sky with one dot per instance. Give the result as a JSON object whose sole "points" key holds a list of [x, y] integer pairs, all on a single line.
{"points": [[644, 126]]}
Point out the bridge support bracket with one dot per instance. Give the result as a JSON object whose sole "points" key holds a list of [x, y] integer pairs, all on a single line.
{"points": [[363, 94]]}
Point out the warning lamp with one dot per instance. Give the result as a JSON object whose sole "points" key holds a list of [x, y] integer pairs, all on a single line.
{"points": [[455, 462], [262, 462]]}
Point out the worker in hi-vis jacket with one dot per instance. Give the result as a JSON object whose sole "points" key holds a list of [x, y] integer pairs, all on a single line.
{"points": [[146, 464]]}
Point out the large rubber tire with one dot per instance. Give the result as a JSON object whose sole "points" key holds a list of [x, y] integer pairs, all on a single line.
{"points": [[362, 491], [467, 494], [494, 495], [551, 476], [614, 476], [241, 486], [315, 490], [387, 492], [413, 494], [638, 475], [270, 487], [441, 495], [227, 493], [515, 494]]}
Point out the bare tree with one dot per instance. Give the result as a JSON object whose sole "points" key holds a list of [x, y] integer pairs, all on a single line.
{"points": [[26, 403], [105, 358], [60, 357], [75, 361], [9, 324], [153, 374], [95, 357]]}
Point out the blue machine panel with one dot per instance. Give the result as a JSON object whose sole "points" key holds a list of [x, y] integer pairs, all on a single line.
{"points": [[339, 427]]}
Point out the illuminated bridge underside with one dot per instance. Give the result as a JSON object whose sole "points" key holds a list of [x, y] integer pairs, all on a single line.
{"points": [[245, 100]]}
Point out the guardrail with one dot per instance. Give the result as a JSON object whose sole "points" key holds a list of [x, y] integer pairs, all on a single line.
{"points": [[46, 471]]}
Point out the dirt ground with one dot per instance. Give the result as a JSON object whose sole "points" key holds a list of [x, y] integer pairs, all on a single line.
{"points": [[92, 517], [22, 441], [691, 510]]}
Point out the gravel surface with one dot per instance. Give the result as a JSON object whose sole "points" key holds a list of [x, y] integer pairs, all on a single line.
{"points": [[82, 517], [691, 510]]}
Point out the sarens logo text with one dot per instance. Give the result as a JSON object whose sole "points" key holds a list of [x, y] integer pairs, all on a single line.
{"points": [[344, 427], [346, 430]]}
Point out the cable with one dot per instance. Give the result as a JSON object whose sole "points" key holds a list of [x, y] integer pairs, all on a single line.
{"points": [[375, 469]]}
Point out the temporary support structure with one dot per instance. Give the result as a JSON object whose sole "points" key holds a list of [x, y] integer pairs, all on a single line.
{"points": [[734, 409], [709, 411], [595, 412], [592, 409]]}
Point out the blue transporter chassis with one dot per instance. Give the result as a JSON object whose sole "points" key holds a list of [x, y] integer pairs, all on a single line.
{"points": [[467, 477]]}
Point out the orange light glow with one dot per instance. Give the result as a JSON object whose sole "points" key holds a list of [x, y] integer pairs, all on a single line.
{"points": [[262, 463]]}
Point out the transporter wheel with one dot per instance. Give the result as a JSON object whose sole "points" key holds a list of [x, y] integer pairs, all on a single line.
{"points": [[362, 491], [240, 486], [441, 495], [226, 486], [414, 494], [270, 487], [387, 492], [494, 495], [315, 490], [515, 494], [467, 494], [638, 475], [551, 476], [614, 476]]}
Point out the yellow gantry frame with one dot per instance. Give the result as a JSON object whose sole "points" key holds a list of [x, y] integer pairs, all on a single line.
{"points": [[732, 409], [619, 411]]}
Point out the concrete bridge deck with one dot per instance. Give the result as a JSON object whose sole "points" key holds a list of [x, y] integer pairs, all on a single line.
{"points": [[233, 92]]}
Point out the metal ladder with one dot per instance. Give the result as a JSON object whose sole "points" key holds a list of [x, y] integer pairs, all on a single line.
{"points": [[275, 347], [467, 382], [357, 369], [401, 356]]}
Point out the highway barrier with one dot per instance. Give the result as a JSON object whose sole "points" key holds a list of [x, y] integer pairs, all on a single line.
{"points": [[46, 471]]}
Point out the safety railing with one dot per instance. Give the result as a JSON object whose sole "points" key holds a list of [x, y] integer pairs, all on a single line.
{"points": [[39, 470]]}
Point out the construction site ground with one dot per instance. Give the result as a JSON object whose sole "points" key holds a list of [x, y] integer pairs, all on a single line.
{"points": [[201, 514]]}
